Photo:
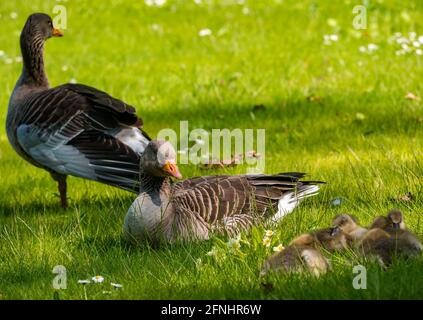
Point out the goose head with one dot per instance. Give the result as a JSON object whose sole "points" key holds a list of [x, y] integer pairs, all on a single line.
{"points": [[40, 26], [159, 160]]}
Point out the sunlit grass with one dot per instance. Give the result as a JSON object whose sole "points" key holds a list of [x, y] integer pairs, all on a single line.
{"points": [[331, 111]]}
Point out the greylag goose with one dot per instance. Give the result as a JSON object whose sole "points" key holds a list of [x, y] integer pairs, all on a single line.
{"points": [[71, 129], [194, 208]]}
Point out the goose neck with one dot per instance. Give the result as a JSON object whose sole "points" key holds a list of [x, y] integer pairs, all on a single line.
{"points": [[154, 184], [32, 48]]}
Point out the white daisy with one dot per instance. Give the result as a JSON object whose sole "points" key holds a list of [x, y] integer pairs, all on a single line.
{"points": [[419, 52], [8, 61], [73, 81], [233, 244], [65, 67], [116, 285], [405, 47], [97, 279], [372, 47], [266, 242], [2, 53], [160, 3], [205, 32], [269, 233], [13, 15], [18, 59], [279, 248], [333, 37], [85, 281]]}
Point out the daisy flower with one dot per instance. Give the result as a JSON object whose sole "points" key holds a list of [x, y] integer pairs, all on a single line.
{"points": [[233, 244], [97, 279], [269, 233], [85, 281], [205, 32], [278, 248], [116, 285], [266, 242]]}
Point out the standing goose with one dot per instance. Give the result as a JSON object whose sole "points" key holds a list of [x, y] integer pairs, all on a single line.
{"points": [[194, 208], [71, 129]]}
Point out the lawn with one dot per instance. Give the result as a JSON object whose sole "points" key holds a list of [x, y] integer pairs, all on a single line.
{"points": [[329, 108]]}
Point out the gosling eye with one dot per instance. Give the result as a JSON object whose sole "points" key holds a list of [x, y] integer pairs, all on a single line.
{"points": [[334, 231]]}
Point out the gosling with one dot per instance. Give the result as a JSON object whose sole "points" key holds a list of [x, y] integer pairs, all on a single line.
{"points": [[388, 237], [350, 226], [303, 254]]}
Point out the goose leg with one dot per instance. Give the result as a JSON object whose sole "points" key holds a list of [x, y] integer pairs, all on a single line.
{"points": [[61, 180]]}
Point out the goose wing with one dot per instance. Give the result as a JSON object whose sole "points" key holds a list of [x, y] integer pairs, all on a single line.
{"points": [[78, 130], [235, 201]]}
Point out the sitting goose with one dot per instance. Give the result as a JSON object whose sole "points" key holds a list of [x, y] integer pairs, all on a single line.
{"points": [[71, 129], [192, 209]]}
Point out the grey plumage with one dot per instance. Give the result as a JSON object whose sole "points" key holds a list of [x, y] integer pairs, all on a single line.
{"points": [[350, 226], [71, 129], [194, 208]]}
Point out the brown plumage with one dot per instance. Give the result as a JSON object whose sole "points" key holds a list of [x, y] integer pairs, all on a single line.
{"points": [[71, 129], [350, 226], [304, 253], [388, 237], [194, 208]]}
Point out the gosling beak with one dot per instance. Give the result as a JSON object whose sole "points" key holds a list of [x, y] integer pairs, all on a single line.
{"points": [[57, 33], [172, 170]]}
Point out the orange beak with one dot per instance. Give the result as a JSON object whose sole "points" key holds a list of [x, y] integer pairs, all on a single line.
{"points": [[57, 33], [172, 170]]}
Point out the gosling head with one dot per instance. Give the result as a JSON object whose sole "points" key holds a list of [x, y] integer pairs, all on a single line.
{"points": [[395, 219], [159, 160], [346, 222], [379, 223], [332, 239]]}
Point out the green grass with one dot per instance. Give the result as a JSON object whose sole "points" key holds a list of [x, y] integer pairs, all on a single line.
{"points": [[273, 56]]}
